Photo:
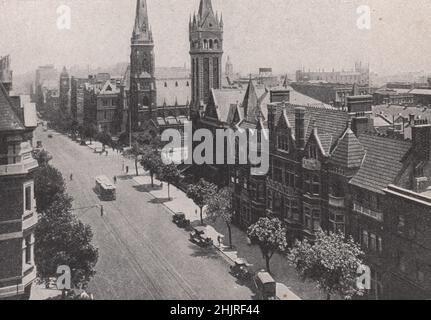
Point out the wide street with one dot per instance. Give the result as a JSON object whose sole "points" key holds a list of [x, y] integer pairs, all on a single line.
{"points": [[142, 254]]}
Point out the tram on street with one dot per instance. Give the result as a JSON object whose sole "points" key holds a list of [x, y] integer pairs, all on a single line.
{"points": [[105, 188]]}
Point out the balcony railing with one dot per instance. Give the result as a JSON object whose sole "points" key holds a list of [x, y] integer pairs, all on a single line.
{"points": [[368, 212], [311, 164], [337, 202], [18, 168]]}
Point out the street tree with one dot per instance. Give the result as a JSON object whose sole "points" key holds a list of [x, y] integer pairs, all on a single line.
{"points": [[169, 174], [104, 138], [332, 261], [219, 205], [48, 185], [134, 153], [63, 240], [42, 157], [90, 131], [200, 193], [270, 235], [151, 162]]}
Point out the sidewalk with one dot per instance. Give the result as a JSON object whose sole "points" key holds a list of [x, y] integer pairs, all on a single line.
{"points": [[289, 286]]}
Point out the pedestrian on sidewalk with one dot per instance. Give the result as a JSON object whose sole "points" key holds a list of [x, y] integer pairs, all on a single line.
{"points": [[127, 169], [115, 179], [219, 240], [71, 177]]}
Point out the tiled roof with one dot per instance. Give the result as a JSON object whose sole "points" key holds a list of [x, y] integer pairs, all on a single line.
{"points": [[329, 123], [390, 112], [9, 121], [383, 162], [348, 152], [173, 92]]}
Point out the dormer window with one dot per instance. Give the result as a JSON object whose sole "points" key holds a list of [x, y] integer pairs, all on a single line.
{"points": [[283, 142], [312, 151]]}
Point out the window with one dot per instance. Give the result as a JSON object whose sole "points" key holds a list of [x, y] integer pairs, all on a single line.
{"points": [[166, 84], [312, 219], [270, 202], [376, 285], [105, 102], [420, 275], [316, 219], [316, 185], [28, 202], [176, 83], [401, 224], [373, 242], [402, 262], [104, 115], [28, 249], [312, 151], [282, 142], [365, 239], [188, 84], [337, 221], [289, 178]]}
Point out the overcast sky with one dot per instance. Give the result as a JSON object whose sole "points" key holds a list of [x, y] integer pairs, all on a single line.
{"points": [[283, 34]]}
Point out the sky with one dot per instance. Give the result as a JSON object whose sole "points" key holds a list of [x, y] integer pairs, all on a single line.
{"points": [[283, 34]]}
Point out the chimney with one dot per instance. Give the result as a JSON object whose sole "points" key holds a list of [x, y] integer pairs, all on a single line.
{"points": [[280, 95], [421, 136], [300, 127]]}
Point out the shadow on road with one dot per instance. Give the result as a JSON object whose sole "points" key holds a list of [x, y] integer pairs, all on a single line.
{"points": [[159, 200], [199, 252], [125, 177], [147, 188]]}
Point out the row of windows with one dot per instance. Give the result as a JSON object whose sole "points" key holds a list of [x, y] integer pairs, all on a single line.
{"points": [[371, 241], [207, 44], [176, 84]]}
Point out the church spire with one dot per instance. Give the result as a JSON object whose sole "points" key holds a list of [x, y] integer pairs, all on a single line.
{"points": [[205, 9], [142, 31]]}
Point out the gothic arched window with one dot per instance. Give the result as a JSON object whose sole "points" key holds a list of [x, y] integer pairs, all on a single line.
{"points": [[211, 43], [205, 44], [215, 44], [146, 102]]}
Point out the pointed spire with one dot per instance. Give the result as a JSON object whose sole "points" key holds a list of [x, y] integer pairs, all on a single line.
{"points": [[250, 99], [221, 20], [142, 30], [205, 9], [285, 82]]}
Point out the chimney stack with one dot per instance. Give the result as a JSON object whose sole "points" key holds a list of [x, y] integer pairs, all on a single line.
{"points": [[300, 127], [421, 136]]}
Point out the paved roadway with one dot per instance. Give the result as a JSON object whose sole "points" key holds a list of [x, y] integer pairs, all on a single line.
{"points": [[142, 254]]}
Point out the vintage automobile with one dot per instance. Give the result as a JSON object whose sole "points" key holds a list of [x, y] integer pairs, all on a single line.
{"points": [[199, 237], [180, 220], [265, 286], [50, 136], [241, 270]]}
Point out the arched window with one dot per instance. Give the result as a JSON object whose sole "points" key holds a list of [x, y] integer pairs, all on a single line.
{"points": [[166, 84], [146, 102], [211, 43], [215, 44], [205, 44], [176, 83]]}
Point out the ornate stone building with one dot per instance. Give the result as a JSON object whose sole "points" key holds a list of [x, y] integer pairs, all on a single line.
{"points": [[206, 52], [143, 95]]}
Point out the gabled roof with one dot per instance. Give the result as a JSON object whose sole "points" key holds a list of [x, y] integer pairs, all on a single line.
{"points": [[348, 152], [109, 88], [250, 102], [329, 124], [383, 162], [9, 120]]}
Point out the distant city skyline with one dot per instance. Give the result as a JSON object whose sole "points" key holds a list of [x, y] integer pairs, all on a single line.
{"points": [[311, 34]]}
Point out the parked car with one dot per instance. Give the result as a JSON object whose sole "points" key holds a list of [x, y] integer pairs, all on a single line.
{"points": [[50, 136], [180, 220], [199, 237], [241, 270]]}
